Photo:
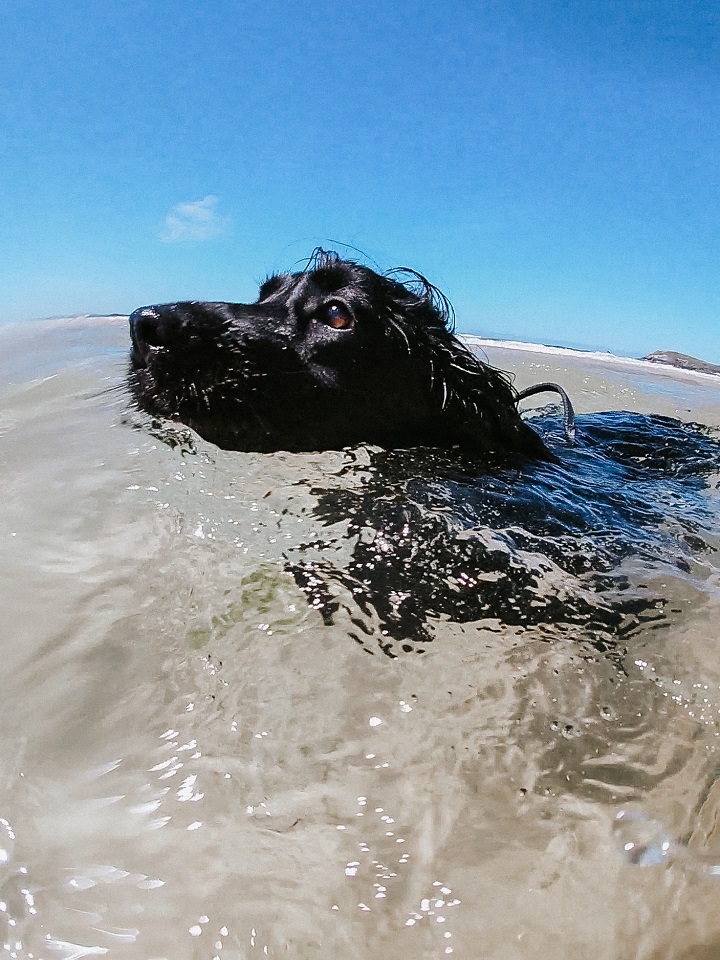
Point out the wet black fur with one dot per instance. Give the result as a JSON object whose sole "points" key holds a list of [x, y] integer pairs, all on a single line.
{"points": [[277, 375], [438, 538]]}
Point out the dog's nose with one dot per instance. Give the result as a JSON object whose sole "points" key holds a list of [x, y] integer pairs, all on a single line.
{"points": [[152, 328], [146, 327]]}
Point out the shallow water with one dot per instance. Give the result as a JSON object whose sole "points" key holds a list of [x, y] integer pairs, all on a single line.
{"points": [[207, 753]]}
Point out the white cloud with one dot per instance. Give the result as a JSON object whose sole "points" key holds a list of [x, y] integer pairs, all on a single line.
{"points": [[194, 220]]}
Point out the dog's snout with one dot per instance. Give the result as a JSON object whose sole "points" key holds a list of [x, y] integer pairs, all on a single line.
{"points": [[152, 328], [149, 327]]}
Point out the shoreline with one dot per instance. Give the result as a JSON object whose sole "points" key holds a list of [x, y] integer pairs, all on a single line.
{"points": [[474, 341], [599, 356]]}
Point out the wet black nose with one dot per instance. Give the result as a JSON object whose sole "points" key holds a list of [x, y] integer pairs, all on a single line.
{"points": [[152, 328], [149, 326]]}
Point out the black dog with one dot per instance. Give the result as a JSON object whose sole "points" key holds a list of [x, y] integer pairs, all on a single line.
{"points": [[326, 358]]}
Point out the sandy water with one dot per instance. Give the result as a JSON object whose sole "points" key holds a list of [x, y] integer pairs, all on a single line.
{"points": [[194, 764]]}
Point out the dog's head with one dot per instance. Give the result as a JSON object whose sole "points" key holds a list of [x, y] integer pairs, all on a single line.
{"points": [[325, 358]]}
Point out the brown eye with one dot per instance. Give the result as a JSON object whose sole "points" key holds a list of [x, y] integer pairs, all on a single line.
{"points": [[337, 316]]}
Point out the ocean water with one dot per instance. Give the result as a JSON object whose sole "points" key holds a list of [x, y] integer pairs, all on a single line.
{"points": [[356, 704]]}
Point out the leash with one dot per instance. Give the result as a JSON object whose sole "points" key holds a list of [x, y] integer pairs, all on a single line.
{"points": [[568, 412]]}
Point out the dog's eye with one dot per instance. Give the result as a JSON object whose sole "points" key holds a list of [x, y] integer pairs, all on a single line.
{"points": [[337, 316]]}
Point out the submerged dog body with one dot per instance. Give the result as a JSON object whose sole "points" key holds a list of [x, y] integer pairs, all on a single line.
{"points": [[325, 358]]}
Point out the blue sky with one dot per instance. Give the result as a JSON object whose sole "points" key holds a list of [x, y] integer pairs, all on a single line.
{"points": [[554, 167]]}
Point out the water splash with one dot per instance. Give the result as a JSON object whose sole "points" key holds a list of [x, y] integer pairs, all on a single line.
{"points": [[645, 842], [642, 841]]}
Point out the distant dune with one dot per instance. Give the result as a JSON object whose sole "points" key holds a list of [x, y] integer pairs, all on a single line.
{"points": [[682, 360]]}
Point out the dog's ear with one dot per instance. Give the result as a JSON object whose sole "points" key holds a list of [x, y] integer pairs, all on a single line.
{"points": [[478, 404], [421, 299], [462, 384]]}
